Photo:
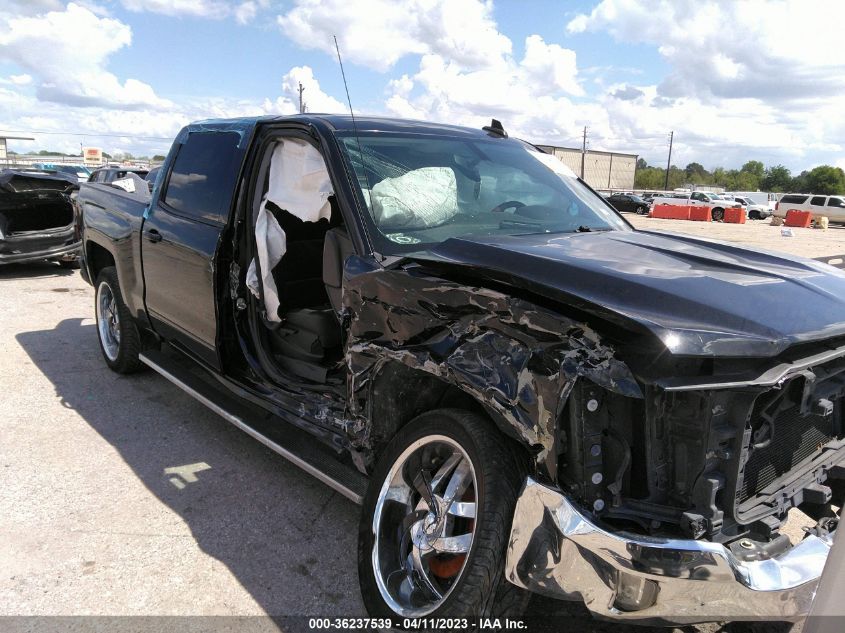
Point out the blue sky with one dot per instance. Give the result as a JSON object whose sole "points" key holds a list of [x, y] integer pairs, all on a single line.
{"points": [[122, 71]]}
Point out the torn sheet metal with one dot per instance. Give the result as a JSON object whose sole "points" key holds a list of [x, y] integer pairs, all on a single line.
{"points": [[517, 359]]}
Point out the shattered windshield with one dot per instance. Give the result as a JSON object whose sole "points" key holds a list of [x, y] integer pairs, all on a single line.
{"points": [[420, 190]]}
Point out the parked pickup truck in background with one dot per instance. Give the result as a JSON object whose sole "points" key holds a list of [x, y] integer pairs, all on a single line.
{"points": [[525, 393], [37, 218], [716, 203]]}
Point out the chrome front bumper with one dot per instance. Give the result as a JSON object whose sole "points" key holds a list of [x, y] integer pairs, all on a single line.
{"points": [[557, 551]]}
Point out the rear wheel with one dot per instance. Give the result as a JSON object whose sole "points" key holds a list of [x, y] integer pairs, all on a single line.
{"points": [[119, 339], [436, 522]]}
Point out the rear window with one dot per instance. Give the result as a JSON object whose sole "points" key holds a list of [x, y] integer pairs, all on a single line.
{"points": [[202, 180], [794, 199]]}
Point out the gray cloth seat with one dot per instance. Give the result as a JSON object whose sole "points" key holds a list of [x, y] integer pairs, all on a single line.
{"points": [[337, 247], [310, 337]]}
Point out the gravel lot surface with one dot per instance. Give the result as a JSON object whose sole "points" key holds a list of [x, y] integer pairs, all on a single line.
{"points": [[122, 496], [757, 234]]}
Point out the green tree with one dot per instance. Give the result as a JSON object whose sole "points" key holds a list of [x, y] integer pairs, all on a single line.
{"points": [[158, 158], [826, 179], [641, 163], [777, 179], [799, 183], [696, 173], [754, 167]]}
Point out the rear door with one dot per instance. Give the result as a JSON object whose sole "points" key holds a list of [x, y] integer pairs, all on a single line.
{"points": [[180, 237]]}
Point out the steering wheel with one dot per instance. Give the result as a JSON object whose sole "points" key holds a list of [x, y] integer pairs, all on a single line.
{"points": [[499, 208]]}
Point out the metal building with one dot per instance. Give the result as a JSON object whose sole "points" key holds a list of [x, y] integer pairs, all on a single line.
{"points": [[602, 170], [4, 156]]}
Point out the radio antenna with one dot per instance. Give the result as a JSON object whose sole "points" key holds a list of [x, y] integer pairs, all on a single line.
{"points": [[352, 114]]}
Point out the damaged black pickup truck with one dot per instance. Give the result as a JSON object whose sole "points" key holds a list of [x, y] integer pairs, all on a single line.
{"points": [[524, 392], [37, 218]]}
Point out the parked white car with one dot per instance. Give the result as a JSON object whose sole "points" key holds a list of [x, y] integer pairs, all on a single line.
{"points": [[700, 199], [831, 207], [755, 211]]}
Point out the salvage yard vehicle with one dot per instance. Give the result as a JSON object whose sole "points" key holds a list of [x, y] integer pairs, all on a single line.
{"points": [[524, 392], [76, 173], [831, 207], [716, 203], [755, 211], [110, 174], [628, 202], [37, 218]]}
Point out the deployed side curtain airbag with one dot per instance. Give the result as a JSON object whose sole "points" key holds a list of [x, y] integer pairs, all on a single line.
{"points": [[299, 184]]}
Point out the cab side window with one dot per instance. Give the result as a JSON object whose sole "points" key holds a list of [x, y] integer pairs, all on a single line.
{"points": [[202, 180]]}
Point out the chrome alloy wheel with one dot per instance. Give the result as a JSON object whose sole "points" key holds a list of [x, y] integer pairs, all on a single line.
{"points": [[423, 523], [108, 321]]}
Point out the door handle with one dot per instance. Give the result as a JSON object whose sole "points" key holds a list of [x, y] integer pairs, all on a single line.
{"points": [[153, 235]]}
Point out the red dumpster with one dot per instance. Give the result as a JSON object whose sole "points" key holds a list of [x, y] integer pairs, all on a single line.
{"points": [[801, 219], [735, 216], [700, 214]]}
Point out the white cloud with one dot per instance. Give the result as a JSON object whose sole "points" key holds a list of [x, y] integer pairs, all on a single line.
{"points": [[377, 33], [244, 12], [531, 96], [17, 80], [53, 124], [195, 8], [67, 51], [313, 96], [748, 79], [783, 50]]}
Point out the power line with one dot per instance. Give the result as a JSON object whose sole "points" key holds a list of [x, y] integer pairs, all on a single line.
{"points": [[96, 134]]}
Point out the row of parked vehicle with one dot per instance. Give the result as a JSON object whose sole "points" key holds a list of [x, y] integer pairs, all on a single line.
{"points": [[36, 209], [81, 173], [641, 204]]}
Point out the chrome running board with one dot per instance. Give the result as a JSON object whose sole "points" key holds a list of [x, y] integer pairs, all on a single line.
{"points": [[292, 443]]}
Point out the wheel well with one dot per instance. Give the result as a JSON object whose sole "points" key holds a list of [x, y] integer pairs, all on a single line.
{"points": [[400, 394], [97, 258]]}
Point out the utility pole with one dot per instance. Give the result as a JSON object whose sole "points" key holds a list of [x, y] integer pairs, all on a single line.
{"points": [[583, 152], [669, 162], [301, 104]]}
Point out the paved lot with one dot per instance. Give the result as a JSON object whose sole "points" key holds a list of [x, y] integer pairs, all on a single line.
{"points": [[123, 496]]}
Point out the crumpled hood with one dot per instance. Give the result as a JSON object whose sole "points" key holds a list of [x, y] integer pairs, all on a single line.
{"points": [[699, 297]]}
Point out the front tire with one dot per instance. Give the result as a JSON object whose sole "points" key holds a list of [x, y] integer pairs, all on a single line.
{"points": [[717, 214], [642, 210], [119, 339], [436, 521]]}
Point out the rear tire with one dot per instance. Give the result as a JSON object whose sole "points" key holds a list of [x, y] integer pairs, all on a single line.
{"points": [[449, 562], [118, 335]]}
